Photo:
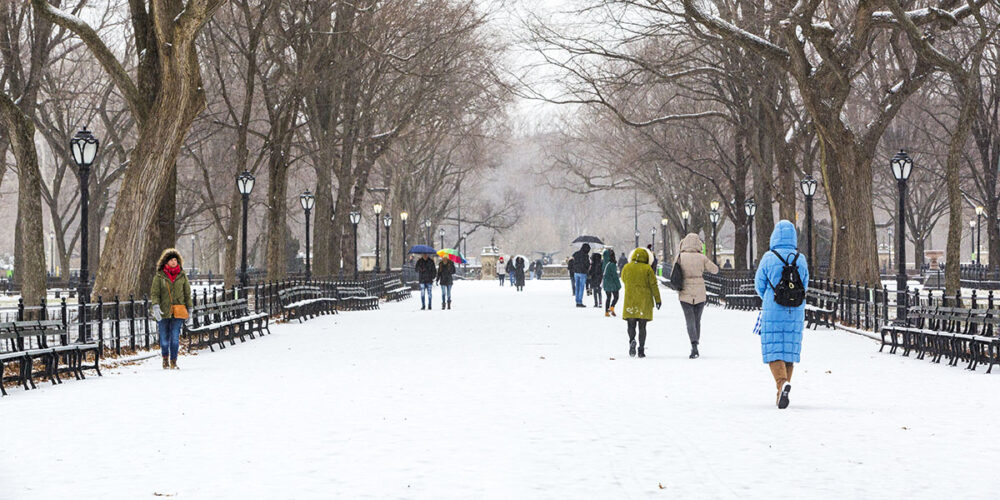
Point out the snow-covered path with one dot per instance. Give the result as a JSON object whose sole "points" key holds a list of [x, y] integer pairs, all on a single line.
{"points": [[509, 395]]}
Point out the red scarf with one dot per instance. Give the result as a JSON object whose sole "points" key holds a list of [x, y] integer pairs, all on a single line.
{"points": [[172, 272]]}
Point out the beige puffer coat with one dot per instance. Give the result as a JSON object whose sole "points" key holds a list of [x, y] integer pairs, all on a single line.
{"points": [[693, 265]]}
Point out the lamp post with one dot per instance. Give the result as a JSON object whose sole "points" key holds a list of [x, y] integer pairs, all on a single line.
{"points": [[84, 147], [972, 238], [441, 233], [52, 253], [427, 227], [307, 200], [808, 186], [750, 207], [663, 226], [403, 216], [901, 165], [244, 182], [193, 238], [635, 205], [685, 216], [387, 221], [355, 217], [889, 246], [637, 238], [378, 234], [979, 233], [714, 216]]}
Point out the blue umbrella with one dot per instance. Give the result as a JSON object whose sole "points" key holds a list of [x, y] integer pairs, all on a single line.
{"points": [[422, 249]]}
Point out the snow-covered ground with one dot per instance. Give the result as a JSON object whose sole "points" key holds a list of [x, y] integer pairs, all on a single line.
{"points": [[509, 395]]}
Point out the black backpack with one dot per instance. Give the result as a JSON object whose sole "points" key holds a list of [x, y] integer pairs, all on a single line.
{"points": [[789, 292]]}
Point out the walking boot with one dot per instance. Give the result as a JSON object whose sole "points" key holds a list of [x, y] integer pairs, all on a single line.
{"points": [[694, 351], [449, 305], [607, 313], [631, 348], [444, 305], [166, 362], [430, 305], [422, 305], [642, 352], [173, 364], [613, 311]]}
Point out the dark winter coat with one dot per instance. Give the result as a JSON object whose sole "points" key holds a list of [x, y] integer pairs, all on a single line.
{"points": [[446, 272], [166, 294], [621, 262], [780, 326], [425, 270], [519, 272], [611, 282], [596, 274], [581, 260], [539, 268], [510, 265]]}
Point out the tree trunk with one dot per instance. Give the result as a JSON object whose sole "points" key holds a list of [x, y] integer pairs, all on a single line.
{"points": [[136, 233], [232, 238], [277, 215], [326, 250], [21, 133], [918, 252]]}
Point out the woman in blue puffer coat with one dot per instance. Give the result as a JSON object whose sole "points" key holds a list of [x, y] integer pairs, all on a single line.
{"points": [[781, 327]]}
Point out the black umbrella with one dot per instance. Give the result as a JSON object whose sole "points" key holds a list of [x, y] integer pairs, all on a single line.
{"points": [[588, 239]]}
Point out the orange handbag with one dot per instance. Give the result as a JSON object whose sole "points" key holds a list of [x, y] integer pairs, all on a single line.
{"points": [[178, 311]]}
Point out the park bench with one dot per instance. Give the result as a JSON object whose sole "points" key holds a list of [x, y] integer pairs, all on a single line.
{"points": [[821, 308], [215, 323], [954, 333], [356, 298], [395, 290], [746, 298], [304, 302], [45, 342]]}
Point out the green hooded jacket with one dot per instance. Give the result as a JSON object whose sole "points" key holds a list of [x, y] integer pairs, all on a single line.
{"points": [[611, 281], [642, 291], [163, 290]]}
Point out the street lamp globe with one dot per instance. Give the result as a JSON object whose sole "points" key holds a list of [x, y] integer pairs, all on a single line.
{"points": [[427, 223], [403, 216], [387, 220], [307, 200], [972, 224], [84, 146], [979, 210], [685, 215], [441, 231], [714, 216], [901, 165], [808, 186], [244, 182], [750, 207], [378, 208], [664, 221], [714, 205], [355, 217]]}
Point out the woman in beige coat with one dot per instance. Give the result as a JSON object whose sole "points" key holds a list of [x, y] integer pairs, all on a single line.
{"points": [[692, 295]]}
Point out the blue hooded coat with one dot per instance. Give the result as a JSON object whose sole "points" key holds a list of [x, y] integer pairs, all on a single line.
{"points": [[780, 327]]}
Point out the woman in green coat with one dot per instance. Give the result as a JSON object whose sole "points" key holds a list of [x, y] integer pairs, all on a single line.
{"points": [[170, 288], [641, 292], [611, 282]]}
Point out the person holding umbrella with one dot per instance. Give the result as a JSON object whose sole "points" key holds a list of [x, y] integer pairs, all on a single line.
{"points": [[445, 278], [581, 265], [426, 274], [519, 273]]}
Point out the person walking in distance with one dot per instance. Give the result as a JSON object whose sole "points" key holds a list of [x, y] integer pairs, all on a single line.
{"points": [[569, 270], [445, 278], [519, 274], [782, 280], [656, 262], [426, 274], [611, 282], [539, 267], [692, 295], [641, 293], [510, 269], [501, 269], [170, 295], [580, 267], [596, 277]]}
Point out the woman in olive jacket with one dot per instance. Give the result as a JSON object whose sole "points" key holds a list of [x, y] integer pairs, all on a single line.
{"points": [[170, 288]]}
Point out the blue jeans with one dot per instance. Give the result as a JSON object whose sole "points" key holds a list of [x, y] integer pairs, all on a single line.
{"points": [[170, 336], [580, 281], [513, 276], [445, 293], [427, 288]]}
